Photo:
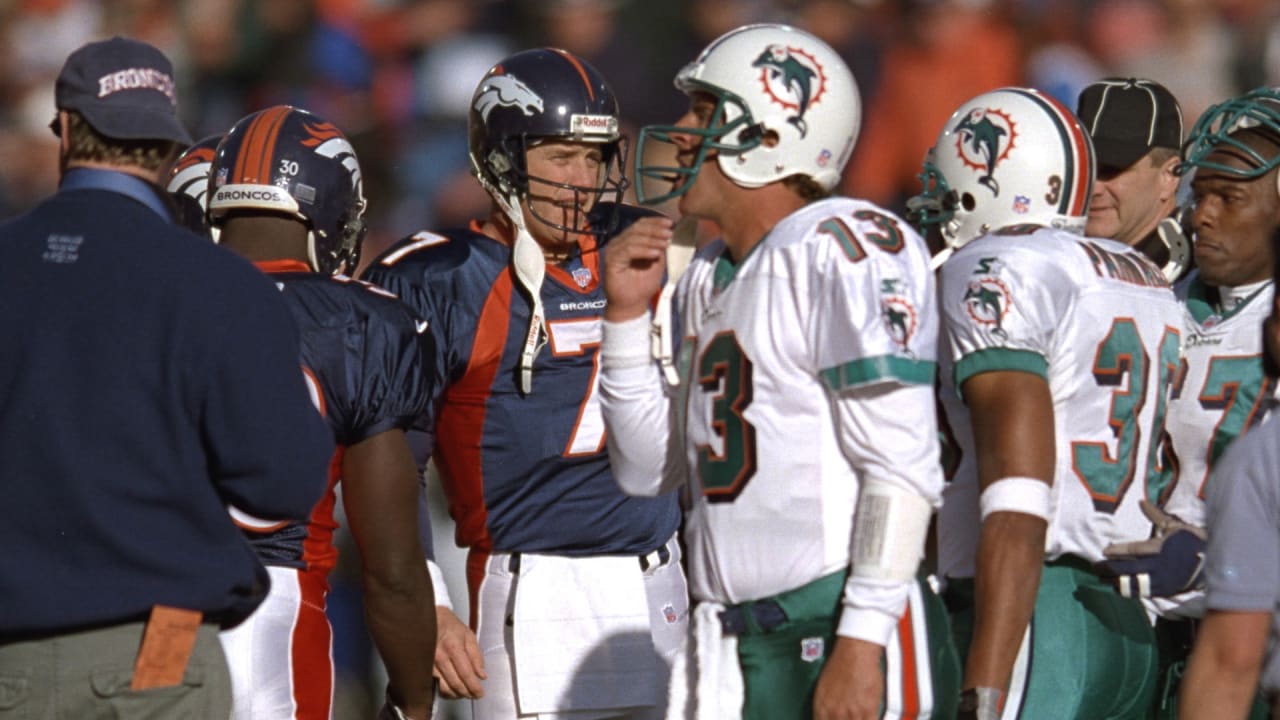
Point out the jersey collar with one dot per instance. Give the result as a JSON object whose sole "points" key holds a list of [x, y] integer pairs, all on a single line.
{"points": [[123, 183]]}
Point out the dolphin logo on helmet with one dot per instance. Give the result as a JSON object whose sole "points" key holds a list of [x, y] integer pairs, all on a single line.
{"points": [[979, 134], [782, 65]]}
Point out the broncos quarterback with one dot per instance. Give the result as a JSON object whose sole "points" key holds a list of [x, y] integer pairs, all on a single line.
{"points": [[578, 599]]}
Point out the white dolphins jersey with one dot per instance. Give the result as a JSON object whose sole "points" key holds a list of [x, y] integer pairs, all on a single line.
{"points": [[1221, 391], [836, 302], [1097, 320]]}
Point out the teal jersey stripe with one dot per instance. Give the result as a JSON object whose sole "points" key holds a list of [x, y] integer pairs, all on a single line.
{"points": [[993, 359], [884, 367]]}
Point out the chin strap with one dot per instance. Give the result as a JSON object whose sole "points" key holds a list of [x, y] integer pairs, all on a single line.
{"points": [[936, 261], [530, 267]]}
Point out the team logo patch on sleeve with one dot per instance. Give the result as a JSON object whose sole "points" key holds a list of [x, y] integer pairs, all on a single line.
{"points": [[900, 318], [987, 301]]}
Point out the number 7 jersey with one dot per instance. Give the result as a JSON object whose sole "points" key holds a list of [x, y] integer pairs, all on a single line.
{"points": [[782, 356], [1099, 323]]}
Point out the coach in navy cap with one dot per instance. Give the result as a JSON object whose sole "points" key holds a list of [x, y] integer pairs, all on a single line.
{"points": [[124, 89], [1136, 128], [151, 399]]}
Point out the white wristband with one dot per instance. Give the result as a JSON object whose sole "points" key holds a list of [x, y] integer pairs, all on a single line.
{"points": [[1018, 494], [626, 344]]}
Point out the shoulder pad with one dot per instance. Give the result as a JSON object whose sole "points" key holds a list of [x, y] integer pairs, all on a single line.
{"points": [[424, 251]]}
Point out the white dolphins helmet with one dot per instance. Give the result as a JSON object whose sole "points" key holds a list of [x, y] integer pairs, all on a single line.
{"points": [[769, 81], [1013, 156]]}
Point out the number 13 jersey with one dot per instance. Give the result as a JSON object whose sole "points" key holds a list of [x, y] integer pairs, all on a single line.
{"points": [[780, 356]]}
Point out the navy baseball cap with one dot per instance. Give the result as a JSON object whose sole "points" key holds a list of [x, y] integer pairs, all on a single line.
{"points": [[124, 89], [1127, 117]]}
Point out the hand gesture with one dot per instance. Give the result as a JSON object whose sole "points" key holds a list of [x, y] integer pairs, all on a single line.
{"points": [[635, 264]]}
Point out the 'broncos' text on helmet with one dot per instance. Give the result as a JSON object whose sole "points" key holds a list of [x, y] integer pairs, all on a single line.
{"points": [[536, 95], [189, 185], [287, 160], [1012, 156], [786, 105]]}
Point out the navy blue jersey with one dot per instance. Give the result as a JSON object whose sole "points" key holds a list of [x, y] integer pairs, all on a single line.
{"points": [[371, 366], [523, 473]]}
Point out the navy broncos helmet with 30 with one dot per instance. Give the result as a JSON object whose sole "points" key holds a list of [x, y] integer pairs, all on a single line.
{"points": [[287, 160]]}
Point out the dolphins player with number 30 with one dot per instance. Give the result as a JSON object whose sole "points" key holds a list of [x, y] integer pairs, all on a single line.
{"points": [[803, 423], [578, 599], [1058, 355]]}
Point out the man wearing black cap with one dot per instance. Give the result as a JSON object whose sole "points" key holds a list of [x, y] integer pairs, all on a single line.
{"points": [[151, 402], [1136, 127], [1221, 390]]}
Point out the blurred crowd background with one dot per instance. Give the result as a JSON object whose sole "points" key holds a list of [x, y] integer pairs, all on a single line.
{"points": [[397, 75]]}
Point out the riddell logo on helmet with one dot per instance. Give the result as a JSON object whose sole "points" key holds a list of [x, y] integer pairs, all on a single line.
{"points": [[593, 125]]}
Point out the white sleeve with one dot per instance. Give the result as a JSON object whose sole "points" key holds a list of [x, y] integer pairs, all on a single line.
{"points": [[1002, 305], [875, 346], [888, 433], [643, 453]]}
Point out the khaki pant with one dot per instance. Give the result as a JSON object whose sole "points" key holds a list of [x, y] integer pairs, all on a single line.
{"points": [[87, 675]]}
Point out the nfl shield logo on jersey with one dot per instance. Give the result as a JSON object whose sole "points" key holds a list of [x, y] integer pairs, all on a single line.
{"points": [[811, 649], [582, 276], [669, 613]]}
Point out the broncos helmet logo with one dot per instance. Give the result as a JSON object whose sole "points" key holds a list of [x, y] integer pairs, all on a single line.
{"points": [[505, 91], [793, 78], [191, 174], [984, 138], [327, 141]]}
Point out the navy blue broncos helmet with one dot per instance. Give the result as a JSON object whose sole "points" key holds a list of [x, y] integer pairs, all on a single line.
{"points": [[189, 185], [287, 160], [537, 94]]}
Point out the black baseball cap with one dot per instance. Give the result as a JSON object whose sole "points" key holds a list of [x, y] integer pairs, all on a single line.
{"points": [[124, 89], [1127, 117]]}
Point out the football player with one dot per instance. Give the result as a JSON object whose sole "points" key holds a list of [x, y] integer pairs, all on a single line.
{"points": [[803, 426], [1222, 391], [1059, 354], [577, 596], [189, 184], [286, 192]]}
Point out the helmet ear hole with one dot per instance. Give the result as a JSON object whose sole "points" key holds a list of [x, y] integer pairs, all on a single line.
{"points": [[968, 202]]}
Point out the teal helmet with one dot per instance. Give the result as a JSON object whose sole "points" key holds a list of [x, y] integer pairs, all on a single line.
{"points": [[1226, 128]]}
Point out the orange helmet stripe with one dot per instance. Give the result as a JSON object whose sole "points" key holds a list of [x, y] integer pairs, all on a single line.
{"points": [[582, 71]]}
